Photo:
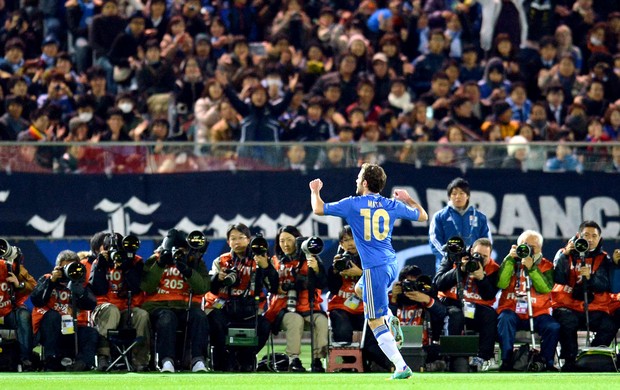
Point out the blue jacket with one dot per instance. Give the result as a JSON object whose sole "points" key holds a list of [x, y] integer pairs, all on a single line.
{"points": [[448, 222]]}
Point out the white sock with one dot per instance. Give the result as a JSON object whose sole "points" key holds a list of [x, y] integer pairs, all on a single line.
{"points": [[386, 342]]}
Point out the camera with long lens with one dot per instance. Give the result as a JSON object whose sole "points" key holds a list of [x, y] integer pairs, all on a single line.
{"points": [[123, 248], [523, 251], [581, 245], [11, 254], [312, 246], [455, 247], [423, 284], [473, 263], [231, 278], [344, 262], [174, 248], [259, 245], [74, 271]]}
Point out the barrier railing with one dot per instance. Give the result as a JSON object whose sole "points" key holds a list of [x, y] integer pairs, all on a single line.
{"points": [[168, 157]]}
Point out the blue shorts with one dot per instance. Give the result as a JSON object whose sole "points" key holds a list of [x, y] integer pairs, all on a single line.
{"points": [[375, 284]]}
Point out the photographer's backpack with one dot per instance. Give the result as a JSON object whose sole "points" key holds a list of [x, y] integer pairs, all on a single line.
{"points": [[597, 359]]}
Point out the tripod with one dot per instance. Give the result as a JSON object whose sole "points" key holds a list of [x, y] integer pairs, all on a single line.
{"points": [[120, 337]]}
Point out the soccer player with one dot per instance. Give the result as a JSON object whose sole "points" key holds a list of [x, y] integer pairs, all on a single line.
{"points": [[371, 217]]}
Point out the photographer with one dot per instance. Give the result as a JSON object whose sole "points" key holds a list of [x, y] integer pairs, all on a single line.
{"points": [[237, 279], [478, 274], [346, 309], [115, 279], [15, 286], [175, 279], [414, 301], [290, 309], [573, 276], [57, 298], [526, 259]]}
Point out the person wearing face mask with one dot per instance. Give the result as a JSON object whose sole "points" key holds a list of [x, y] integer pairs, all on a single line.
{"points": [[576, 274], [85, 105], [513, 306], [126, 103]]}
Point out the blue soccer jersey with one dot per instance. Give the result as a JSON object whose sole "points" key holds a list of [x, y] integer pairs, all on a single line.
{"points": [[372, 218]]}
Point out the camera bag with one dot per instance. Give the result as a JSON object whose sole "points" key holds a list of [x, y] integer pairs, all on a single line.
{"points": [[599, 359]]}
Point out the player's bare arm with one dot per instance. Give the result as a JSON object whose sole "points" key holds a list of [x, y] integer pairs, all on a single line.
{"points": [[404, 197], [315, 196]]}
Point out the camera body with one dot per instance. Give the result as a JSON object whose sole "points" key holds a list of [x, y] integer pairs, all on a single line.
{"points": [[474, 262], [12, 255], [345, 262], [259, 245], [581, 245], [422, 284], [121, 248], [455, 248], [232, 277]]}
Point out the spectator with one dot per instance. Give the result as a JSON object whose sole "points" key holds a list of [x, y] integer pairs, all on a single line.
{"points": [[103, 100], [156, 79], [127, 51], [399, 98], [611, 122], [191, 13], [519, 103], [172, 44], [205, 109], [493, 85], [157, 19], [203, 52], [506, 16], [12, 123], [13, 59], [102, 33], [381, 79], [241, 19], [502, 116], [470, 66], [564, 38], [345, 76], [518, 154], [564, 160], [427, 64]]}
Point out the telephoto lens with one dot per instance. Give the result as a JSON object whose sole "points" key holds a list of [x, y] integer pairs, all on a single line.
{"points": [[523, 251]]}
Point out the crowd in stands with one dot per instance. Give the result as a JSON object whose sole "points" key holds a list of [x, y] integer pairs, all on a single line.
{"points": [[365, 72]]}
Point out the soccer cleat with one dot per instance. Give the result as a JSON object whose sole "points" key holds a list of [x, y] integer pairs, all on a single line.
{"points": [[397, 332], [405, 374], [199, 366], [167, 366]]}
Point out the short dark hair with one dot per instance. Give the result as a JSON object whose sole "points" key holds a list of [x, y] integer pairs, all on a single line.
{"points": [[460, 183], [240, 227], [292, 230], [590, 224], [345, 232], [96, 241], [409, 270], [375, 177]]}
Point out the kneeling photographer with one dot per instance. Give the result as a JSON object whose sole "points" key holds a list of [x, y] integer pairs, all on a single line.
{"points": [[414, 301], [175, 279], [346, 309], [16, 285], [237, 279], [57, 298], [467, 284], [297, 303]]}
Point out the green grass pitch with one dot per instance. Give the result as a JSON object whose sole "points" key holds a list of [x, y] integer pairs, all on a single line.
{"points": [[283, 381]]}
